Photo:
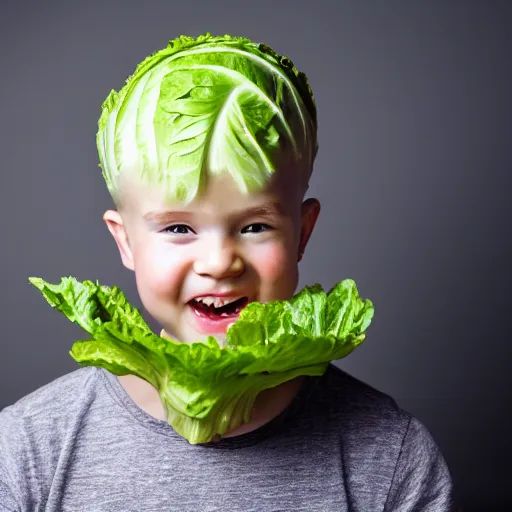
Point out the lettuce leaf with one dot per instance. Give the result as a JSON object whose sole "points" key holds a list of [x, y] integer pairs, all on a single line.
{"points": [[207, 389], [220, 103]]}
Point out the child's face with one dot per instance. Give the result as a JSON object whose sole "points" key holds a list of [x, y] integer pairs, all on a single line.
{"points": [[224, 242]]}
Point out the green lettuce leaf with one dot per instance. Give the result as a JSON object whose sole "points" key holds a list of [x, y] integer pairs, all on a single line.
{"points": [[208, 105], [208, 389]]}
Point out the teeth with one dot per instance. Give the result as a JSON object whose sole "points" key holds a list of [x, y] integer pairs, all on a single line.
{"points": [[206, 300], [217, 302]]}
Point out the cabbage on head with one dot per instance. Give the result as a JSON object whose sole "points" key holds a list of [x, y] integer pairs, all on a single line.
{"points": [[205, 106]]}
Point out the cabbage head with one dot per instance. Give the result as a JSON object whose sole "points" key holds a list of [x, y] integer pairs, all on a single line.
{"points": [[204, 106]]}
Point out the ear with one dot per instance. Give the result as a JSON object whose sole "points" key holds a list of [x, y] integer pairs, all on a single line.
{"points": [[115, 225], [309, 212]]}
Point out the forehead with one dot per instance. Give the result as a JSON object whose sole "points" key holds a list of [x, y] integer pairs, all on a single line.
{"points": [[220, 195]]}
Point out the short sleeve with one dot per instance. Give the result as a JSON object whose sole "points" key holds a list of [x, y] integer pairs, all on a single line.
{"points": [[422, 481], [8, 470]]}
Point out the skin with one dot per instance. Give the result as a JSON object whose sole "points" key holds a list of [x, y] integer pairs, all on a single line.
{"points": [[212, 245]]}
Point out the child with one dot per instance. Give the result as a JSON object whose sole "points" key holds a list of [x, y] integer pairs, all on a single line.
{"points": [[207, 152]]}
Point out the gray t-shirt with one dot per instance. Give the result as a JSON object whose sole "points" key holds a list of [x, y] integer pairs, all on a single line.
{"points": [[81, 444]]}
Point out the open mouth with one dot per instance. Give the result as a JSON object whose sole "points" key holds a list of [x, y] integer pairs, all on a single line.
{"points": [[220, 313]]}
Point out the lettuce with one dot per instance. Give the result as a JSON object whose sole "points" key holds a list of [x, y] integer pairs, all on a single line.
{"points": [[207, 389], [221, 103]]}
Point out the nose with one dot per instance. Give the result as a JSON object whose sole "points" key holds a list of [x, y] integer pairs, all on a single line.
{"points": [[219, 260]]}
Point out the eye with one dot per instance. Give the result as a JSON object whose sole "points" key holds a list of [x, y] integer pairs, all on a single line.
{"points": [[256, 228], [178, 229]]}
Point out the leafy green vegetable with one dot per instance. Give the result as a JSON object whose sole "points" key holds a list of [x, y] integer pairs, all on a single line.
{"points": [[208, 105], [207, 389]]}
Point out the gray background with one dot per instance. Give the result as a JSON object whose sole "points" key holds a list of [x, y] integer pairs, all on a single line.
{"points": [[413, 174]]}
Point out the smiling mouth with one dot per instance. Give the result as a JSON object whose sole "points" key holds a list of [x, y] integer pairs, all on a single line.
{"points": [[221, 313]]}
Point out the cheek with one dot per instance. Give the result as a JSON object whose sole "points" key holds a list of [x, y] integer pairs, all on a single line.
{"points": [[275, 265], [158, 272], [271, 263]]}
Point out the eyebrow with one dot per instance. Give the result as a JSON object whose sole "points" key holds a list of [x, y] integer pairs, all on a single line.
{"points": [[265, 209], [268, 208]]}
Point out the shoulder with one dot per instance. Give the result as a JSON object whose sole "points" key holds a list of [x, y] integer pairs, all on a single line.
{"points": [[55, 395], [33, 431], [369, 413], [368, 423], [367, 409], [352, 388], [364, 423], [49, 409], [358, 405], [421, 477], [384, 443]]}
